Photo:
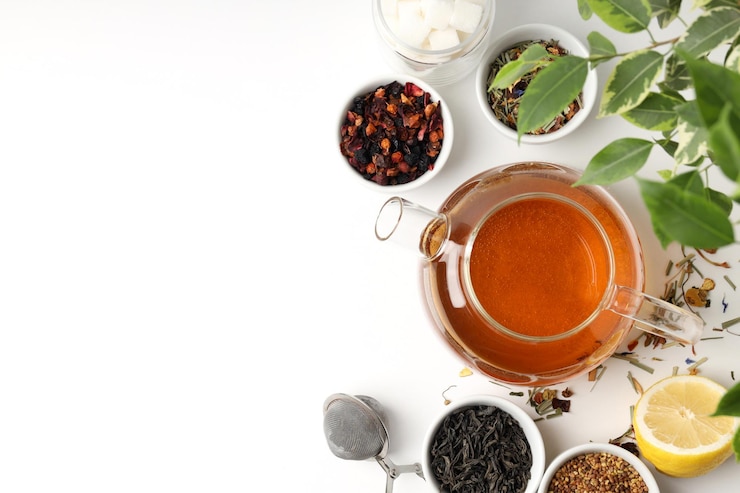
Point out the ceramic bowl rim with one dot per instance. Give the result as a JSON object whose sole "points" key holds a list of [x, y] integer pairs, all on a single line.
{"points": [[447, 143], [526, 32], [592, 447], [532, 432]]}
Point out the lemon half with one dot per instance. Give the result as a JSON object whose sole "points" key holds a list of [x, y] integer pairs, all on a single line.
{"points": [[674, 428]]}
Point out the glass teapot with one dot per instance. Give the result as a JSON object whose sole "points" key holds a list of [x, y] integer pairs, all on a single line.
{"points": [[530, 279]]}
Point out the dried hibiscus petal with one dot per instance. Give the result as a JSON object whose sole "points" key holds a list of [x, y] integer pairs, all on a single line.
{"points": [[394, 134]]}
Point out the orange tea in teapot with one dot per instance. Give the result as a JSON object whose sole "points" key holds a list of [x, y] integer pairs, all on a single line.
{"points": [[529, 278], [518, 285], [539, 266]]}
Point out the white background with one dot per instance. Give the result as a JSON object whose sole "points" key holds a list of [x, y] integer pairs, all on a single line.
{"points": [[185, 274]]}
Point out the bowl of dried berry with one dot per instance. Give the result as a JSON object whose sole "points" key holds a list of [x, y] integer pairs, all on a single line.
{"points": [[395, 134], [598, 467], [487, 443], [500, 101]]}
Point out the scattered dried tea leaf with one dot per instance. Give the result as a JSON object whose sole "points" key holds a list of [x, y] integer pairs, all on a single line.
{"points": [[707, 285], [632, 344], [561, 404], [549, 394], [446, 400], [713, 262], [546, 402], [729, 281], [693, 369], [635, 384], [697, 297], [466, 372]]}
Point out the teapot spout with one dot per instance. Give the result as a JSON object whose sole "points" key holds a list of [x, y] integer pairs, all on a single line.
{"points": [[413, 226]]}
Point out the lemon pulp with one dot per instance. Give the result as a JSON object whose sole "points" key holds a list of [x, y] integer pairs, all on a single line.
{"points": [[674, 428]]}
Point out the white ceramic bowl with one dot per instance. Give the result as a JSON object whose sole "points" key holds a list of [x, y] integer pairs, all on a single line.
{"points": [[352, 174], [588, 448], [521, 34], [532, 433]]}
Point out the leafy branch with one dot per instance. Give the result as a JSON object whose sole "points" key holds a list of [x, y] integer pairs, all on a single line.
{"points": [[691, 102], [729, 405]]}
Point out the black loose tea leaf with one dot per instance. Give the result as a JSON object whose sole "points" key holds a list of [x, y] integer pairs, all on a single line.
{"points": [[481, 449]]}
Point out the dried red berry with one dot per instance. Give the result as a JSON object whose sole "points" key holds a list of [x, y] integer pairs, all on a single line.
{"points": [[397, 129]]}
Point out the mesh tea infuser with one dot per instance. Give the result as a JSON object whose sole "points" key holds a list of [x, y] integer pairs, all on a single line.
{"points": [[355, 430]]}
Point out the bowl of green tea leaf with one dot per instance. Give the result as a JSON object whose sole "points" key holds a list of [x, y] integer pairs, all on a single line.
{"points": [[535, 83], [486, 443]]}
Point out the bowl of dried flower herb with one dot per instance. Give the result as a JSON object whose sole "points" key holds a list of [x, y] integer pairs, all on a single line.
{"points": [[517, 58], [487, 443], [598, 467], [395, 134]]}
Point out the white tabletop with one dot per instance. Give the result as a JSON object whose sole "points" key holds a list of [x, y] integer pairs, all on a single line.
{"points": [[185, 276]]}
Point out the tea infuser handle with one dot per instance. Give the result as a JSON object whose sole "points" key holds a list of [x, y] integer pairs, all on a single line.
{"points": [[393, 471], [657, 316]]}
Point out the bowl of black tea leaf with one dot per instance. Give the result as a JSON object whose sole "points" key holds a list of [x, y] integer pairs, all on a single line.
{"points": [[485, 443]]}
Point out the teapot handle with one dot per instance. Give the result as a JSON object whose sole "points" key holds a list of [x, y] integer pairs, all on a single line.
{"points": [[657, 316]]}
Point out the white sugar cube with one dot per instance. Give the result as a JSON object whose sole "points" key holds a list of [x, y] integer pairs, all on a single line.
{"points": [[408, 8], [411, 26], [437, 13], [389, 8], [466, 16], [443, 39]]}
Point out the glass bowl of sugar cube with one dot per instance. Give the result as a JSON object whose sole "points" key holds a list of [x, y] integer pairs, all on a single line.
{"points": [[438, 41]]}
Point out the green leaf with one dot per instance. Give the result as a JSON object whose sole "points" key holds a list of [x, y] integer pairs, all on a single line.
{"points": [[716, 86], [721, 199], [630, 82], [711, 4], [684, 217], [666, 11], [530, 59], [677, 76], [691, 133], [690, 182], [551, 90], [600, 48], [724, 143], [656, 112], [671, 93], [584, 10], [627, 16], [620, 159], [710, 30], [729, 404], [666, 174], [668, 146], [732, 59]]}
